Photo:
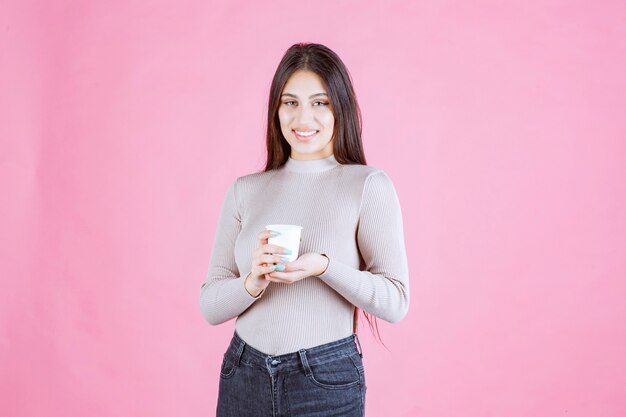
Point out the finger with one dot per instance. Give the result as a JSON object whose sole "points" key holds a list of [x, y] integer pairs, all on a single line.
{"points": [[266, 234], [281, 258], [268, 276], [267, 248], [264, 269], [287, 276], [263, 236], [270, 267], [270, 259], [278, 280]]}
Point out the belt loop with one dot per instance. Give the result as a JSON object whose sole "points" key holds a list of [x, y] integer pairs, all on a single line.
{"points": [[356, 337], [305, 362], [239, 352]]}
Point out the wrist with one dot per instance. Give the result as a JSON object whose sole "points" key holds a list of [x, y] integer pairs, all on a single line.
{"points": [[252, 289], [325, 263]]}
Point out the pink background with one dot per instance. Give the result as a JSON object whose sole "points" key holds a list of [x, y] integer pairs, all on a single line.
{"points": [[502, 125]]}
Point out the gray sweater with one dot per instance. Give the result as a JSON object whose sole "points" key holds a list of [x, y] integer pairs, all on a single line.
{"points": [[351, 213]]}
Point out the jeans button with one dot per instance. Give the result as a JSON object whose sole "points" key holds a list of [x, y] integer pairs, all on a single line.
{"points": [[275, 362]]}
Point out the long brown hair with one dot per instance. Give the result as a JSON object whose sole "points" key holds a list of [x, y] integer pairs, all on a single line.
{"points": [[347, 146]]}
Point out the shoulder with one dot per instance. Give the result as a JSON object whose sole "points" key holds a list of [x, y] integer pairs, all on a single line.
{"points": [[254, 176], [245, 187], [379, 196], [368, 176], [377, 188], [239, 189], [251, 181]]}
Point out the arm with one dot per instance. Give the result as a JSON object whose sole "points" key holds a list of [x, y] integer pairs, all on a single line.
{"points": [[223, 294], [383, 288]]}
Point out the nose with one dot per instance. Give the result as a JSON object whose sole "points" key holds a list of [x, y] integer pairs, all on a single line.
{"points": [[305, 115]]}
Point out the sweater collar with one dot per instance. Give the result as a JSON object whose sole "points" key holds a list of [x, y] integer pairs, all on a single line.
{"points": [[311, 165]]}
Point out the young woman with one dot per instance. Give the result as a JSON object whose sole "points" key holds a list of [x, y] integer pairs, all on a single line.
{"points": [[293, 352]]}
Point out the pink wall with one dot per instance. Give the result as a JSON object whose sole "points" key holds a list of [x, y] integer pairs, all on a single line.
{"points": [[502, 125]]}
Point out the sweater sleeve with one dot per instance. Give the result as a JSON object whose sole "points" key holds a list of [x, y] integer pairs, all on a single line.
{"points": [[223, 294], [382, 289]]}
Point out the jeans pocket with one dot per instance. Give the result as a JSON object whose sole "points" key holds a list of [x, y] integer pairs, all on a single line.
{"points": [[228, 367], [339, 373]]}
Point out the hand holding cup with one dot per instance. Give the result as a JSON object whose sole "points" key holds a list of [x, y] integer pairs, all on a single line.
{"points": [[265, 259]]}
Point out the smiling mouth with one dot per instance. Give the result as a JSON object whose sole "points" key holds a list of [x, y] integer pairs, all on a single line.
{"points": [[305, 136]]}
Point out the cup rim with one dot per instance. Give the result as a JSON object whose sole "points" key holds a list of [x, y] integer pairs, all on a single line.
{"points": [[282, 226]]}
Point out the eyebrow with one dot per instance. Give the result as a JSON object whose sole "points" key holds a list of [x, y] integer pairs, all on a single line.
{"points": [[314, 95]]}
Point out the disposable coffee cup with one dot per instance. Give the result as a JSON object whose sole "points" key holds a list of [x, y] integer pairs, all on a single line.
{"points": [[289, 238]]}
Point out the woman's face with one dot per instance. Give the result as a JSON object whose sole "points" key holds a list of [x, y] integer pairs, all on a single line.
{"points": [[305, 108]]}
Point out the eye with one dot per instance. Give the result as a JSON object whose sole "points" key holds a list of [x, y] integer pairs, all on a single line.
{"points": [[323, 103], [290, 101]]}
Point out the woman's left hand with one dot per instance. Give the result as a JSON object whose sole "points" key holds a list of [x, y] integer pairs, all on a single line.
{"points": [[308, 264]]}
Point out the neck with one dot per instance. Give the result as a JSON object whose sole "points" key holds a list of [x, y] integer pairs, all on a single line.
{"points": [[311, 165]]}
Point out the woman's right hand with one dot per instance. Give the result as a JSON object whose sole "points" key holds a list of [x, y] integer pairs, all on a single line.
{"points": [[263, 260]]}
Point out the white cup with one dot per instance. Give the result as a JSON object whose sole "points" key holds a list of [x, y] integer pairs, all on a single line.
{"points": [[289, 237]]}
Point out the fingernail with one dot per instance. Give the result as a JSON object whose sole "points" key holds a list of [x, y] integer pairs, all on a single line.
{"points": [[274, 233], [287, 251], [280, 267], [273, 267]]}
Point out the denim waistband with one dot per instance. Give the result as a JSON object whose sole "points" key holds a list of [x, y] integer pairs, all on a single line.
{"points": [[239, 350]]}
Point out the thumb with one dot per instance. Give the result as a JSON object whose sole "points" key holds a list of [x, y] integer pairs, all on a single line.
{"points": [[293, 265]]}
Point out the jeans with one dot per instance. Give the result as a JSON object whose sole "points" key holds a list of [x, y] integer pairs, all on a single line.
{"points": [[325, 380]]}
